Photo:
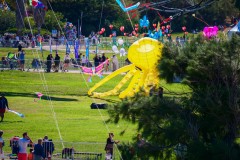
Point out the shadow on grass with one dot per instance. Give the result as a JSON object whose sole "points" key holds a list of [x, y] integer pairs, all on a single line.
{"points": [[14, 94], [8, 122]]}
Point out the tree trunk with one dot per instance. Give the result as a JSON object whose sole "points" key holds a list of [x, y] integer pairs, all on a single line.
{"points": [[39, 15], [20, 15]]}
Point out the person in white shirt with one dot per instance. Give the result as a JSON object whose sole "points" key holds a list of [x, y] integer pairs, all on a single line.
{"points": [[1, 146], [23, 144], [67, 61]]}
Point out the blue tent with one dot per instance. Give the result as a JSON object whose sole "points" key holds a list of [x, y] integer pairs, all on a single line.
{"points": [[235, 29]]}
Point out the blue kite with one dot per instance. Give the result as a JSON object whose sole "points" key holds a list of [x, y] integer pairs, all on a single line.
{"points": [[144, 22], [128, 8], [155, 35]]}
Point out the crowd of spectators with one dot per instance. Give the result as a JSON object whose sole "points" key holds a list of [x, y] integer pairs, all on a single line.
{"points": [[25, 149]]}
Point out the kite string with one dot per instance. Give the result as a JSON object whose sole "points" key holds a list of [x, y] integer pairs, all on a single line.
{"points": [[45, 86], [129, 16], [20, 13], [82, 74], [93, 100]]}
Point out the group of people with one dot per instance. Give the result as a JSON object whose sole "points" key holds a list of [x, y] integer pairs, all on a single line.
{"points": [[43, 149], [98, 59], [53, 63]]}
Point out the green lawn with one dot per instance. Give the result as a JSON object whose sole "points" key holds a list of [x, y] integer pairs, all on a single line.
{"points": [[68, 93], [68, 101]]}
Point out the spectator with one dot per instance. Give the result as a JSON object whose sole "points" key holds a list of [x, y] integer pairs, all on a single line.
{"points": [[19, 47], [109, 144], [140, 141], [35, 64], [160, 92], [115, 63], [14, 144], [30, 154], [23, 144], [48, 148], [38, 150], [3, 106], [96, 60], [177, 41], [84, 60], [22, 59], [66, 62], [103, 59], [56, 62], [49, 62], [1, 145], [79, 59], [152, 90]]}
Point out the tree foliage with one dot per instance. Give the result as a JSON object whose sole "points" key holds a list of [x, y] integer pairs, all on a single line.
{"points": [[51, 21], [205, 122], [92, 11], [7, 20]]}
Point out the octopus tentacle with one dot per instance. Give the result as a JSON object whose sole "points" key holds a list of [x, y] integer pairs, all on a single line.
{"points": [[120, 84]]}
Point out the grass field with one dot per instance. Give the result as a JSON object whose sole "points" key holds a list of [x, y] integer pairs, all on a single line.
{"points": [[66, 114], [68, 93]]}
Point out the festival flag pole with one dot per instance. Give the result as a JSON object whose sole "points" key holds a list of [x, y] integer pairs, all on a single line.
{"points": [[78, 32], [80, 29]]}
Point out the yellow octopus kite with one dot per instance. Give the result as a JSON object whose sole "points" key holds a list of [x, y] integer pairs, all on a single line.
{"points": [[144, 55]]}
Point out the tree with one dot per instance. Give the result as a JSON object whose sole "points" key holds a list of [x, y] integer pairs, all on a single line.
{"points": [[7, 20], [51, 21], [20, 15], [205, 122], [92, 11], [39, 16]]}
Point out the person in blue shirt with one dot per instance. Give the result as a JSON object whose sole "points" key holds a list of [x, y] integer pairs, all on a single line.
{"points": [[3, 105], [22, 59], [38, 150]]}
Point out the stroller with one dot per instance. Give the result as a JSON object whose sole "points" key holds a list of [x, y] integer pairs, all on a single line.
{"points": [[14, 147], [12, 60]]}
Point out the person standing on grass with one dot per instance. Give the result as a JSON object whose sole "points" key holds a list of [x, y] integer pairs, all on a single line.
{"points": [[22, 60], [23, 144], [3, 106], [56, 62], [48, 148], [1, 146], [110, 144], [49, 62], [67, 60], [38, 150]]}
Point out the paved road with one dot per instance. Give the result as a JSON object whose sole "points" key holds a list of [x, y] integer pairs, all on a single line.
{"points": [[42, 70]]}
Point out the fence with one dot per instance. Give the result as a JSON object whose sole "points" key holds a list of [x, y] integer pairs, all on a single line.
{"points": [[31, 65], [103, 41], [71, 150]]}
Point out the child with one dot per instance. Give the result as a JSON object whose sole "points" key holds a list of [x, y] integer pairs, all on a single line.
{"points": [[30, 155]]}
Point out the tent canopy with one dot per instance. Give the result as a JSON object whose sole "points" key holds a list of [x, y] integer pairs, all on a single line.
{"points": [[235, 29]]}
